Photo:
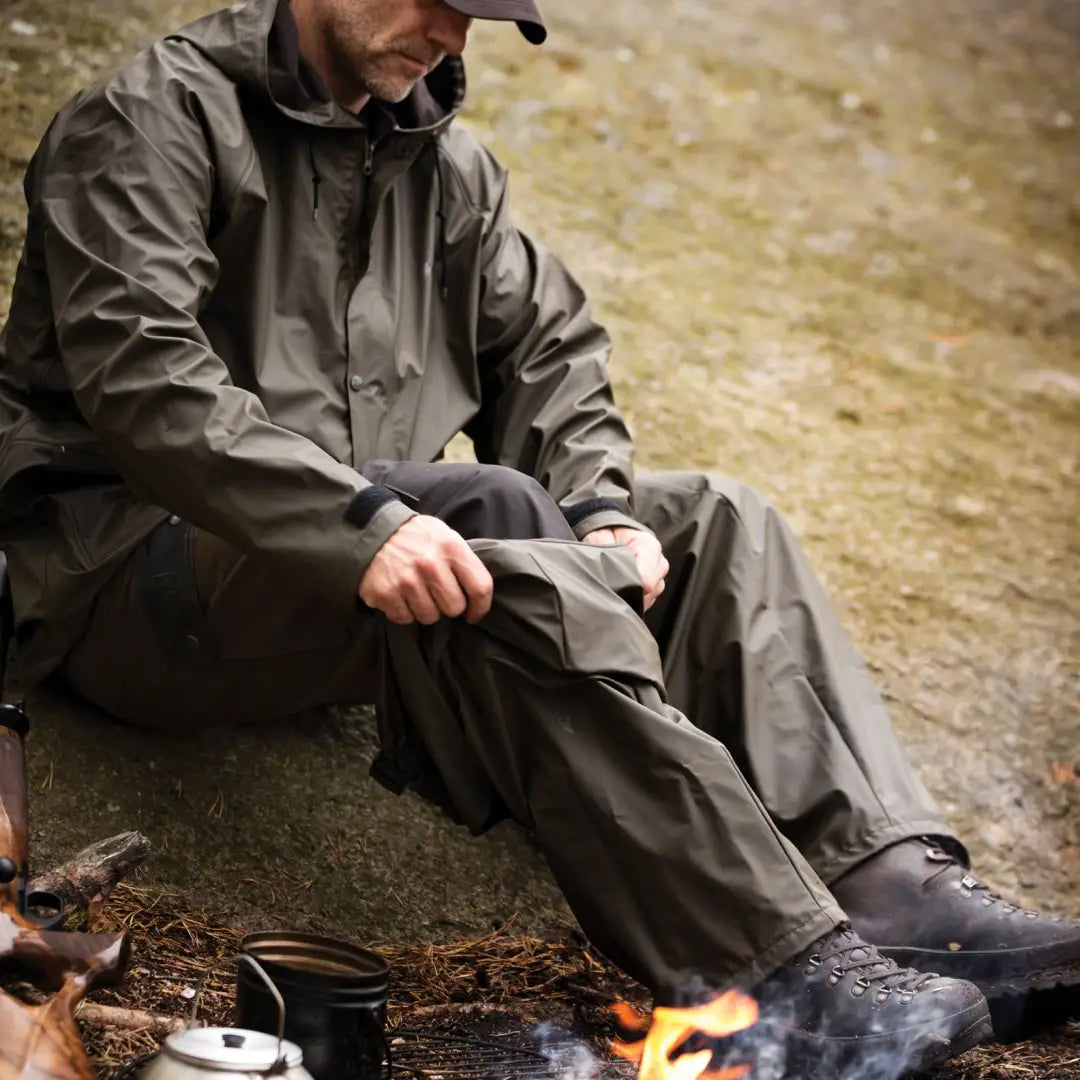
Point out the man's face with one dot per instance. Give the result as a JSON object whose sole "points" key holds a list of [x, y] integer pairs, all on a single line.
{"points": [[386, 46]]}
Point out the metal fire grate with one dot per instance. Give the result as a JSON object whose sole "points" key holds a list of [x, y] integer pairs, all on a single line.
{"points": [[430, 1056]]}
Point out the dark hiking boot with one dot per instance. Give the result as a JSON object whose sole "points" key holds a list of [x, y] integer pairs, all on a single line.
{"points": [[922, 907], [842, 1009]]}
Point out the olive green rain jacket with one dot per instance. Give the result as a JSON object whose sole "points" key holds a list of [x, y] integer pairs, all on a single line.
{"points": [[234, 292]]}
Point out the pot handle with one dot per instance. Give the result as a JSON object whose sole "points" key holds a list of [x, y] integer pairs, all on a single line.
{"points": [[370, 1020], [280, 1065]]}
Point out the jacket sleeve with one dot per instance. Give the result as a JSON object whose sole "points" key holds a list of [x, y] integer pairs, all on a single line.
{"points": [[127, 194], [547, 406]]}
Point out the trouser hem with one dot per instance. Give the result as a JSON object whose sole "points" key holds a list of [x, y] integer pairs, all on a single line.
{"points": [[877, 840], [792, 942]]}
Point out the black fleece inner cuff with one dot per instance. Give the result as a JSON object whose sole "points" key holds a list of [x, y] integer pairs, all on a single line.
{"points": [[366, 503], [580, 511]]}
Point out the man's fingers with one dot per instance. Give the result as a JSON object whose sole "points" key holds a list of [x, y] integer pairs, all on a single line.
{"points": [[445, 590], [658, 574], [600, 537], [415, 591], [654, 595], [393, 607], [475, 580]]}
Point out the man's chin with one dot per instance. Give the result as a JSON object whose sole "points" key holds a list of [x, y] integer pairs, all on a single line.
{"points": [[391, 91]]}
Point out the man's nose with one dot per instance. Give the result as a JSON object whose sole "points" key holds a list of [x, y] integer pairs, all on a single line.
{"points": [[449, 29]]}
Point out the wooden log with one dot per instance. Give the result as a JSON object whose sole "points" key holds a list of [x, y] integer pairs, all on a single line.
{"points": [[94, 871], [113, 1016]]}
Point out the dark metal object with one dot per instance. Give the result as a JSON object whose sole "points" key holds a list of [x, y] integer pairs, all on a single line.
{"points": [[335, 1002], [430, 1056], [43, 909]]}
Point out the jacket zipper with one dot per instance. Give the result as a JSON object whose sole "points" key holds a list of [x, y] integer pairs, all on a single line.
{"points": [[367, 168]]}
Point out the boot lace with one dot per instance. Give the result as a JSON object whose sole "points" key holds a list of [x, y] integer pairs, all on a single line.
{"points": [[969, 884], [851, 953]]}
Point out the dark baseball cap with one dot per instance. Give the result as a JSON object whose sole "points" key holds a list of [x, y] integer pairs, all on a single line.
{"points": [[523, 12]]}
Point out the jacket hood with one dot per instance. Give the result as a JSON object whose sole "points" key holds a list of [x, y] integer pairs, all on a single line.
{"points": [[256, 45]]}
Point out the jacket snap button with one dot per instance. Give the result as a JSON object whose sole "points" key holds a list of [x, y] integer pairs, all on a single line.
{"points": [[174, 519], [355, 382]]}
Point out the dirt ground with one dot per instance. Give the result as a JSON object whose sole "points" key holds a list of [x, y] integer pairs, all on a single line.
{"points": [[837, 244]]}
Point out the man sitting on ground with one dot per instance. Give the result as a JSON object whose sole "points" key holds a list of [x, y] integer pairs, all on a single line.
{"points": [[266, 279]]}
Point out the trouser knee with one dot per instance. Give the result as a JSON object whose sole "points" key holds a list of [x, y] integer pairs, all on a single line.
{"points": [[478, 501], [503, 503], [671, 503]]}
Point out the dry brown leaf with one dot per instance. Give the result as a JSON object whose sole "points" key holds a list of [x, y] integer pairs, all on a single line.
{"points": [[1064, 772]]}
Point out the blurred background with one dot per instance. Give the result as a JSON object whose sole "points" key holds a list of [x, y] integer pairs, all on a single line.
{"points": [[838, 245]]}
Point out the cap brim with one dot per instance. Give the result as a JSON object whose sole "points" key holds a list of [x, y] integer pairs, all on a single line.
{"points": [[523, 12]]}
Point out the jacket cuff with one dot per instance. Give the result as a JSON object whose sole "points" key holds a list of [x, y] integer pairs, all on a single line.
{"points": [[579, 511], [606, 519], [366, 503], [382, 518]]}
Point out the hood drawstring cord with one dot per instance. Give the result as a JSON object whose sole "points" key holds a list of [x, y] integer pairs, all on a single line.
{"points": [[440, 215], [316, 180]]}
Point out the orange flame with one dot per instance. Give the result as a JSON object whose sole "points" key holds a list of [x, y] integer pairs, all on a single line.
{"points": [[722, 1016]]}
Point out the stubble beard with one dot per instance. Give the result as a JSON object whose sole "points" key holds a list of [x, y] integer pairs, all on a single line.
{"points": [[371, 67]]}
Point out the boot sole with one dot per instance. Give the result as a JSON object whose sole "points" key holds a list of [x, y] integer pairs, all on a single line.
{"points": [[876, 1056], [1020, 1016], [1022, 1001]]}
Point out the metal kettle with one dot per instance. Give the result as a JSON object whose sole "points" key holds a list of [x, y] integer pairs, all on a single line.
{"points": [[225, 1054], [229, 1053]]}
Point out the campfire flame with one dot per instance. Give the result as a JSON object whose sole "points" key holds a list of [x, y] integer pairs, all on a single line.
{"points": [[669, 1027]]}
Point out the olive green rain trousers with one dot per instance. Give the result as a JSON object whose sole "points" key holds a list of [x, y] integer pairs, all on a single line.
{"points": [[694, 778]]}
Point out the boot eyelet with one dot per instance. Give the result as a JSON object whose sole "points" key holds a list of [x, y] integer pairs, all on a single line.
{"points": [[835, 976], [813, 960], [906, 997], [860, 987], [883, 995]]}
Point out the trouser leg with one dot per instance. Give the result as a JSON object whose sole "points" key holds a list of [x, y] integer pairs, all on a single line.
{"points": [[552, 708], [555, 702], [754, 652]]}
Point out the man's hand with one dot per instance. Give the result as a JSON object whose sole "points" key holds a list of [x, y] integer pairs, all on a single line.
{"points": [[647, 552], [424, 571]]}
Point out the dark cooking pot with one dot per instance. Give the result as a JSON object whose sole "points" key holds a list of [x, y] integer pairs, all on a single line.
{"points": [[335, 1001]]}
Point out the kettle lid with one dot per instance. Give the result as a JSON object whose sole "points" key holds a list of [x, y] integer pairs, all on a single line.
{"points": [[231, 1049]]}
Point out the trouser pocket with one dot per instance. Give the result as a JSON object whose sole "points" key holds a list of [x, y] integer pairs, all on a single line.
{"points": [[165, 586]]}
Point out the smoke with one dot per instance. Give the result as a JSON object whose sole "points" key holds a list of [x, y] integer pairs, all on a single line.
{"points": [[865, 1040], [568, 1057], [888, 1047]]}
